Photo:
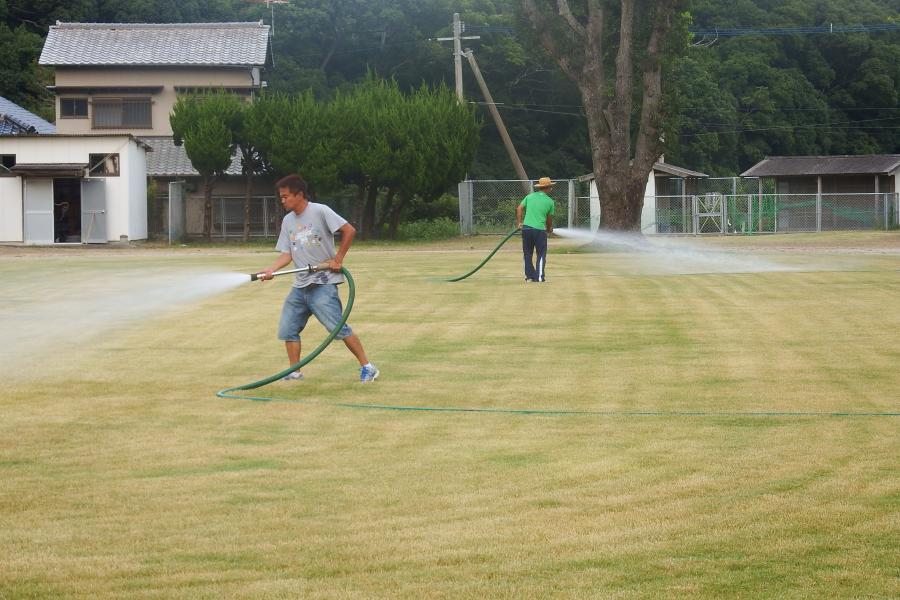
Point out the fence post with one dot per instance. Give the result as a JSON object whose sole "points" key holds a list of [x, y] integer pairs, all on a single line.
{"points": [[571, 203], [819, 204], [695, 202], [465, 207]]}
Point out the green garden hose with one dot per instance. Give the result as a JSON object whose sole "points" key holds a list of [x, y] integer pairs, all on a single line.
{"points": [[351, 294], [489, 256]]}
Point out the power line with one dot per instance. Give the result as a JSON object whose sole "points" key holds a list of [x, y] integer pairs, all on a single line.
{"points": [[830, 28]]}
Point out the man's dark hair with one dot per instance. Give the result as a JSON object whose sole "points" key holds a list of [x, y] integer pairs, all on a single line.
{"points": [[294, 183]]}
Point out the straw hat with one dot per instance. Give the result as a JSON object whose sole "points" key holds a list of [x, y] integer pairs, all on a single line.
{"points": [[544, 182]]}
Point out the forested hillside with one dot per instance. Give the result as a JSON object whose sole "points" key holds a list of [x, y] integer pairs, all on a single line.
{"points": [[739, 97]]}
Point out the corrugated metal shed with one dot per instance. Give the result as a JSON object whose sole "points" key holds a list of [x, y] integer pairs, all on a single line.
{"points": [[181, 44], [786, 166], [15, 120], [168, 160]]}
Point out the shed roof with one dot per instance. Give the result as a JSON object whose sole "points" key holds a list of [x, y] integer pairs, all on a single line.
{"points": [[49, 169], [661, 167], [863, 164], [677, 171], [14, 120], [176, 44], [168, 160]]}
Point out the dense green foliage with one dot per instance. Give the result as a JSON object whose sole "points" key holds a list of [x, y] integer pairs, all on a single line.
{"points": [[206, 126], [746, 97], [393, 147], [739, 99]]}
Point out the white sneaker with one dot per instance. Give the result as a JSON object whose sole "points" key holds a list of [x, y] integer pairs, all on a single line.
{"points": [[295, 376], [368, 373]]}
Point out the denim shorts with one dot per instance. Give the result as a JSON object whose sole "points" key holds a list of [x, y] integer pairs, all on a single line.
{"points": [[321, 300]]}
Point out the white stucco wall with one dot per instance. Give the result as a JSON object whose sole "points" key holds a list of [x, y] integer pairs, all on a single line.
{"points": [[137, 192], [648, 212], [10, 209], [126, 196]]}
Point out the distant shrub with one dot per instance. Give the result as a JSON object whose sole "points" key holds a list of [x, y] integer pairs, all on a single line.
{"points": [[430, 229]]}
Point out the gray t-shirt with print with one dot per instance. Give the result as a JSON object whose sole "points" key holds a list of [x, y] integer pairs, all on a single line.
{"points": [[309, 237]]}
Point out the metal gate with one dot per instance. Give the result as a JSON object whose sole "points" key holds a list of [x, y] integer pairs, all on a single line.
{"points": [[93, 211], [710, 213], [38, 205]]}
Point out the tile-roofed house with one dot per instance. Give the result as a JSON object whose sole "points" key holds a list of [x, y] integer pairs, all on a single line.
{"points": [[125, 78], [16, 120], [145, 44], [115, 77]]}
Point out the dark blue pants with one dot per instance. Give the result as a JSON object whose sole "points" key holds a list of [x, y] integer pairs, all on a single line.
{"points": [[534, 241]]}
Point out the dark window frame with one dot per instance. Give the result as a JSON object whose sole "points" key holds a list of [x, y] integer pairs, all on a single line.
{"points": [[98, 164], [7, 162], [75, 114]]}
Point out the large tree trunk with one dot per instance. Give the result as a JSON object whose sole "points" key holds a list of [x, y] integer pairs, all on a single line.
{"points": [[622, 162], [359, 207], [368, 224]]}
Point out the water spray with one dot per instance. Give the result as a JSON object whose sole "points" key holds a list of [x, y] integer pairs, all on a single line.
{"points": [[322, 266]]}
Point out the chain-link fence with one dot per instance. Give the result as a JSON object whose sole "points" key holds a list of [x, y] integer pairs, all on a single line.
{"points": [[713, 212], [265, 217], [708, 206], [489, 206]]}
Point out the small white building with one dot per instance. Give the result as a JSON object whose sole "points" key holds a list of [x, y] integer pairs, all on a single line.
{"points": [[665, 181], [72, 188]]}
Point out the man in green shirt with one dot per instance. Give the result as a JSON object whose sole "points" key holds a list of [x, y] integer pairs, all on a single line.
{"points": [[534, 216]]}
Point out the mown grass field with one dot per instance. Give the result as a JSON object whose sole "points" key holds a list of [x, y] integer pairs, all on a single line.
{"points": [[743, 439]]}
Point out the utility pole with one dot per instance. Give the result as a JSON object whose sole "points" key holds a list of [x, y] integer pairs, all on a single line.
{"points": [[457, 52], [510, 149]]}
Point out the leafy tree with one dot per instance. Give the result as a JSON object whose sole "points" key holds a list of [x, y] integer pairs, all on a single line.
{"points": [[21, 80], [205, 125], [606, 47], [294, 134], [249, 126]]}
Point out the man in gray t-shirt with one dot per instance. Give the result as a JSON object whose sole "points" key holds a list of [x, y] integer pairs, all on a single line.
{"points": [[309, 239], [306, 238]]}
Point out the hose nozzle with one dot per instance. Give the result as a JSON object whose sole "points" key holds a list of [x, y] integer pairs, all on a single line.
{"points": [[322, 266]]}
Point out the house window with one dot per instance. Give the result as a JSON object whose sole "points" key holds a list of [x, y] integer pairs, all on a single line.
{"points": [[122, 113], [7, 162], [103, 165], [73, 108]]}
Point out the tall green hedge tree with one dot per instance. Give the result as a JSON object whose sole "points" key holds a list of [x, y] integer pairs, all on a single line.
{"points": [[205, 125]]}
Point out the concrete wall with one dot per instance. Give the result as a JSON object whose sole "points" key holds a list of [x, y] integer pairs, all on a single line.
{"points": [[126, 196], [162, 102]]}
